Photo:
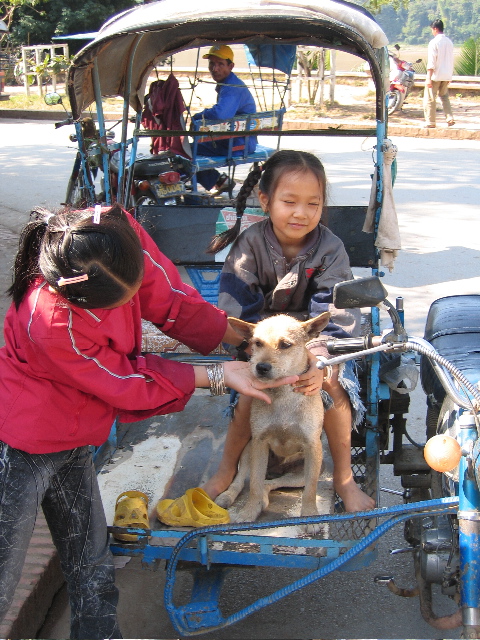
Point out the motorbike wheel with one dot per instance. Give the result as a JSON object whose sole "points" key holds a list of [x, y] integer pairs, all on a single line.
{"points": [[145, 200], [394, 101], [76, 195]]}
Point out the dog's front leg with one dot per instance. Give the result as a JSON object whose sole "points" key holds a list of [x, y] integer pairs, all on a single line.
{"points": [[313, 465], [258, 471]]}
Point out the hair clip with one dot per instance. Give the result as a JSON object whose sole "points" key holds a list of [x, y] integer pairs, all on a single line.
{"points": [[63, 281], [96, 213]]}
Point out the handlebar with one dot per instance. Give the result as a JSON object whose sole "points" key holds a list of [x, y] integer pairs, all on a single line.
{"points": [[69, 120], [353, 348]]}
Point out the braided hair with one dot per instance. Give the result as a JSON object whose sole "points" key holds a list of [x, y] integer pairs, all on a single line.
{"points": [[69, 244], [267, 177]]}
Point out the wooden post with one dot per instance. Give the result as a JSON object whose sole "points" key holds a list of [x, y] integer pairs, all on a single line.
{"points": [[54, 75], [333, 73], [321, 74], [299, 84], [38, 60], [25, 71]]}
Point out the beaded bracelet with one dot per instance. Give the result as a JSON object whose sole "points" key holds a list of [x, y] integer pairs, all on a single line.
{"points": [[216, 378]]}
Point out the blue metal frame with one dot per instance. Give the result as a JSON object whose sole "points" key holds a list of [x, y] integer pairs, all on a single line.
{"points": [[102, 131], [202, 614], [84, 162], [469, 528]]}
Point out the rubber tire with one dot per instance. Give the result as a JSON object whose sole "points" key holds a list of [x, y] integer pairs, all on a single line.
{"points": [[146, 199], [394, 101], [76, 191]]}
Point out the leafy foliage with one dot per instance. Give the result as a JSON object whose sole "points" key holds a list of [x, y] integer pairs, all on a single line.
{"points": [[410, 23], [36, 21], [375, 6], [468, 63]]}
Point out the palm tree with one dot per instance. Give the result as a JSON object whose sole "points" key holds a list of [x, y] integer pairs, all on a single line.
{"points": [[468, 63]]}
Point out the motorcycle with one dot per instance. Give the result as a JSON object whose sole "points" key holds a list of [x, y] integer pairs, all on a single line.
{"points": [[158, 179], [440, 510], [401, 78], [445, 545]]}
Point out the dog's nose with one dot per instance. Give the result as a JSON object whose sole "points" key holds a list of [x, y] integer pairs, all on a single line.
{"points": [[263, 368]]}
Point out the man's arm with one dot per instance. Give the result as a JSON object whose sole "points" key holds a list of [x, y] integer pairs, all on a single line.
{"points": [[431, 62], [226, 107]]}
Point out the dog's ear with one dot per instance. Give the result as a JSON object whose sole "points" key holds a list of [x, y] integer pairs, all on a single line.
{"points": [[315, 326], [244, 328]]}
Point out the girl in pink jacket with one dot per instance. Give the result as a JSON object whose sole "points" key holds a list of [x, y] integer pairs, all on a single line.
{"points": [[71, 364]]}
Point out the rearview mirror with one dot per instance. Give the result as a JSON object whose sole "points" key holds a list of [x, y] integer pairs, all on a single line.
{"points": [[52, 99], [364, 292]]}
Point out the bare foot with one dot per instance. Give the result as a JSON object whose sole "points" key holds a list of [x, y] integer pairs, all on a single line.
{"points": [[218, 483], [354, 499]]}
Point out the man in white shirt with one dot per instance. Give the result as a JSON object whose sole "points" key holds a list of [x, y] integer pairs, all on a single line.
{"points": [[439, 74]]}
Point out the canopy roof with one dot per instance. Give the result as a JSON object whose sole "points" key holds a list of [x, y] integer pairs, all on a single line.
{"points": [[129, 45]]}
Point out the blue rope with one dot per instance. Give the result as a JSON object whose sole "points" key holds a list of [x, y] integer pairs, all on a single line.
{"points": [[399, 513]]}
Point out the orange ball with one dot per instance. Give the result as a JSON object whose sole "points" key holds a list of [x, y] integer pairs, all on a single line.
{"points": [[442, 453]]}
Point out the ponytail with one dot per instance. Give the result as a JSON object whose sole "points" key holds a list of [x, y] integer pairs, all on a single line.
{"points": [[92, 264], [268, 174], [222, 240], [26, 267]]}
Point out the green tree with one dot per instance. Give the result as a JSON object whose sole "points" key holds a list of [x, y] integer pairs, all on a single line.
{"points": [[375, 6], [419, 17], [8, 7], [408, 21], [392, 22], [36, 21], [468, 63]]}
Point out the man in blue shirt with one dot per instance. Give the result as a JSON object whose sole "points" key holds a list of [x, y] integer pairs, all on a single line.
{"points": [[234, 98]]}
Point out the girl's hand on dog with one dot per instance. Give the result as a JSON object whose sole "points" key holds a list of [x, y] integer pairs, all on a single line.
{"points": [[310, 382], [238, 376]]}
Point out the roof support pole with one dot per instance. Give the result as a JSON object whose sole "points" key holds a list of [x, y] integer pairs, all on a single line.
{"points": [[121, 196], [101, 128]]}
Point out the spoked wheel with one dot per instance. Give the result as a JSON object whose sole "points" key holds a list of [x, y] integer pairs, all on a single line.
{"points": [[77, 194], [145, 200], [394, 101]]}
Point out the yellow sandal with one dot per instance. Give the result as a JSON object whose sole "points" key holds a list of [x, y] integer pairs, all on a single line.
{"points": [[131, 510], [194, 509]]}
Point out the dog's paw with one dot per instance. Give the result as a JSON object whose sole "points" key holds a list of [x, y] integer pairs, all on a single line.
{"points": [[225, 500], [249, 513], [312, 529], [266, 498]]}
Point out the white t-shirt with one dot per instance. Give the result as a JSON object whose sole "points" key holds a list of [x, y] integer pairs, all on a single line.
{"points": [[440, 58]]}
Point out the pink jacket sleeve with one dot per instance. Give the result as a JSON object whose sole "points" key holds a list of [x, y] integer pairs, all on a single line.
{"points": [[176, 308]]}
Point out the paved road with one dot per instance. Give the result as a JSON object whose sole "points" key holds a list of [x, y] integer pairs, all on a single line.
{"points": [[437, 195]]}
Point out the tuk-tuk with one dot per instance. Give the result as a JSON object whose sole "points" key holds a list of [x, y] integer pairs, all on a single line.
{"points": [[119, 62]]}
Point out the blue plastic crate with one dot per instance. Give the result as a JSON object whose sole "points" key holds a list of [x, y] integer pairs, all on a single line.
{"points": [[206, 281]]}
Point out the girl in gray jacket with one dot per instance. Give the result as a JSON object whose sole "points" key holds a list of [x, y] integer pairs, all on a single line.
{"points": [[289, 263]]}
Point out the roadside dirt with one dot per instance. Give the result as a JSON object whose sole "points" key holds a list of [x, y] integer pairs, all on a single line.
{"points": [[356, 105], [354, 102]]}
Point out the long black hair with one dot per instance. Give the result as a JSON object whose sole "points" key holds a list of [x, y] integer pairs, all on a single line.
{"points": [[268, 177], [69, 244]]}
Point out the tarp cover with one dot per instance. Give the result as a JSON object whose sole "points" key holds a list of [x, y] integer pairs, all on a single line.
{"points": [[129, 45], [273, 56]]}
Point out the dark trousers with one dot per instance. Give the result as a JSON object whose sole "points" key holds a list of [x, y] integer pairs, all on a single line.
{"points": [[65, 485]]}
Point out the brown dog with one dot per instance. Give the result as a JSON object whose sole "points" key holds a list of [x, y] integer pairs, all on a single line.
{"points": [[291, 426]]}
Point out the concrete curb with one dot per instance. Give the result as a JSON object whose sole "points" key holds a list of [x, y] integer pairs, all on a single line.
{"points": [[458, 132], [41, 579], [55, 116]]}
